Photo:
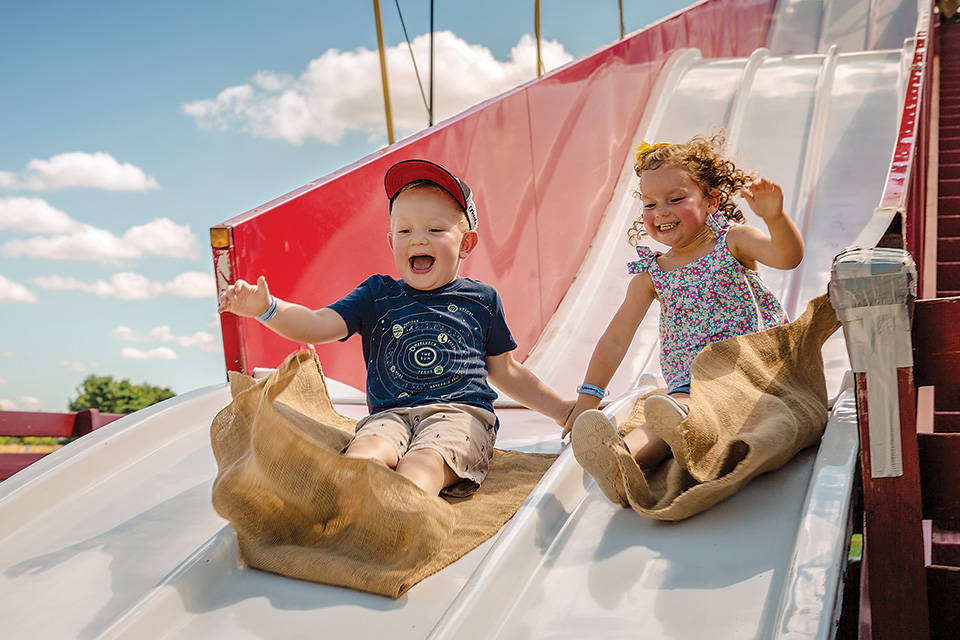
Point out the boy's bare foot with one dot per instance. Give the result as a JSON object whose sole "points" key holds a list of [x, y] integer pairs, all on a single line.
{"points": [[596, 446]]}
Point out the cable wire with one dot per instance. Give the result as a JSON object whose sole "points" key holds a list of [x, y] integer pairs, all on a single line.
{"points": [[412, 57]]}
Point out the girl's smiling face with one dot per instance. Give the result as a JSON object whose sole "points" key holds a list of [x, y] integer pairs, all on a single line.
{"points": [[675, 209], [429, 237]]}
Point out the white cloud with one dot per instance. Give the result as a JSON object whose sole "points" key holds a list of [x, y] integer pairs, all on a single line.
{"points": [[124, 286], [160, 237], [74, 365], [11, 291], [4, 382], [214, 321], [163, 237], [25, 403], [192, 284], [134, 286], [34, 215], [342, 91], [79, 169], [159, 353], [203, 340]]}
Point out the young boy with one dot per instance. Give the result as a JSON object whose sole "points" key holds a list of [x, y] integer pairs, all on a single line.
{"points": [[431, 339]]}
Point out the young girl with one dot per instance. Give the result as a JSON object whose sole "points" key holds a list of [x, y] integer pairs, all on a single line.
{"points": [[707, 286]]}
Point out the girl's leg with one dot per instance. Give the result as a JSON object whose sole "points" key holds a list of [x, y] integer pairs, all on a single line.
{"points": [[664, 413], [646, 447]]}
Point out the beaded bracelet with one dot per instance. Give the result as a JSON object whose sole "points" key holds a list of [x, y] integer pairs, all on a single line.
{"points": [[270, 312], [593, 390]]}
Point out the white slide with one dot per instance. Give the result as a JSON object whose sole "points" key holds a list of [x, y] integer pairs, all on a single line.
{"points": [[114, 536]]}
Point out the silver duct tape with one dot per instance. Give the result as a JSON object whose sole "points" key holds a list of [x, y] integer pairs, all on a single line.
{"points": [[873, 291]]}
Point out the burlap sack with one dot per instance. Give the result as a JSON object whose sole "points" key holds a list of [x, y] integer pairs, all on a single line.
{"points": [[302, 510], [755, 402]]}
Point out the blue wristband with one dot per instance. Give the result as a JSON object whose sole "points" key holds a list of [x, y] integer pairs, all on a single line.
{"points": [[270, 312], [593, 390]]}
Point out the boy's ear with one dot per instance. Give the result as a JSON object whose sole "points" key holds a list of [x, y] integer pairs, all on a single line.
{"points": [[470, 240], [390, 239]]}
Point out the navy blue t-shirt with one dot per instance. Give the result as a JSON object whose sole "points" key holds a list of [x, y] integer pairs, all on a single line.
{"points": [[426, 347]]}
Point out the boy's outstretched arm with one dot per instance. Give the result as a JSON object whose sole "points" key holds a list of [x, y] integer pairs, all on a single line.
{"points": [[292, 321], [518, 382]]}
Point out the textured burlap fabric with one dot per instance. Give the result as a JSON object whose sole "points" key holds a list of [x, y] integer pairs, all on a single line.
{"points": [[755, 402], [302, 510]]}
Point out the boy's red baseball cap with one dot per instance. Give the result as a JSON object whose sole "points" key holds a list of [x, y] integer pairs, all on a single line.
{"points": [[403, 173]]}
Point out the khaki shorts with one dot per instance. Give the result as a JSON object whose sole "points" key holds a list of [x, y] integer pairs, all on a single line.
{"points": [[463, 434]]}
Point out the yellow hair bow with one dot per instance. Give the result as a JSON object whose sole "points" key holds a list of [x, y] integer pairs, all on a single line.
{"points": [[646, 148]]}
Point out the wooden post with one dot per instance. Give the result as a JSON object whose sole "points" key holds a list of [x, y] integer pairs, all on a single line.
{"points": [[234, 350], [621, 18], [383, 72], [873, 291], [536, 28]]}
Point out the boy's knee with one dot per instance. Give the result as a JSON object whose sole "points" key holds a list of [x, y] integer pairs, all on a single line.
{"points": [[427, 469], [428, 459], [373, 448]]}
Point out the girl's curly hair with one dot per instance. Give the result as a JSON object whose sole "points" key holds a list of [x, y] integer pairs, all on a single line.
{"points": [[703, 159]]}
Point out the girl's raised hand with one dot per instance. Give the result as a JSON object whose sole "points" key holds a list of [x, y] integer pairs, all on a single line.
{"points": [[764, 197], [245, 299]]}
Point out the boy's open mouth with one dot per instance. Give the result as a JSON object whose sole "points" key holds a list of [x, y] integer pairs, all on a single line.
{"points": [[421, 264], [667, 226]]}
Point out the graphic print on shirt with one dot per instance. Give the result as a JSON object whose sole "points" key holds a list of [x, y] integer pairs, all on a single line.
{"points": [[423, 352]]}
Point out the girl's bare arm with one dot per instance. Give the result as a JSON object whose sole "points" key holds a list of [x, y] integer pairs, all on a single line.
{"points": [[613, 344], [783, 247]]}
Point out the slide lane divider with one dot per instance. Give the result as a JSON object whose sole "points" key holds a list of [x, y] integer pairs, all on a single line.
{"points": [[810, 601], [523, 543]]}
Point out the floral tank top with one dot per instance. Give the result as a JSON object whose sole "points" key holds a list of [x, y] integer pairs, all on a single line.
{"points": [[710, 299]]}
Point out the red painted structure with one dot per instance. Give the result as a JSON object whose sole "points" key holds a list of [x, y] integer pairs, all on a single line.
{"points": [[542, 161], [906, 189], [902, 597], [24, 424]]}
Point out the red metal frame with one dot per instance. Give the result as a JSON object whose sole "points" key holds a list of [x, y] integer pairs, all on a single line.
{"points": [[893, 597], [25, 424], [906, 187], [542, 160]]}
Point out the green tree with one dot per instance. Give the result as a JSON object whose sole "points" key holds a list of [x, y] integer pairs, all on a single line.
{"points": [[111, 396]]}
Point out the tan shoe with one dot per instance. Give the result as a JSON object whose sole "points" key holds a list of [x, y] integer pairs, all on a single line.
{"points": [[663, 412], [597, 447], [664, 415]]}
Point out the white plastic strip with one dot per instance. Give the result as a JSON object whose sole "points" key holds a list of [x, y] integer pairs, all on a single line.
{"points": [[810, 601]]}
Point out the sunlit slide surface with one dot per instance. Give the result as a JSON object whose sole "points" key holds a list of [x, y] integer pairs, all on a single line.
{"points": [[114, 536]]}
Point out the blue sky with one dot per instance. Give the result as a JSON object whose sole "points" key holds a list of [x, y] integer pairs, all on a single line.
{"points": [[128, 129]]}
